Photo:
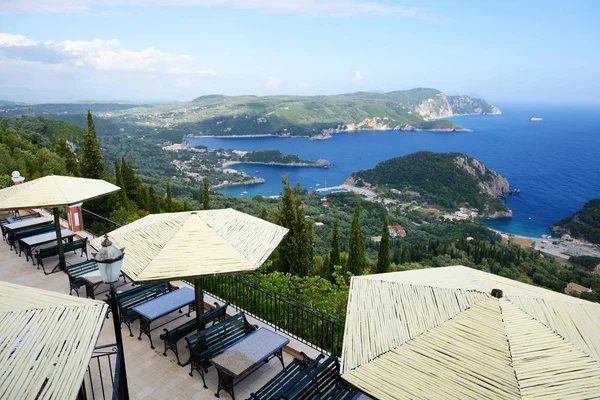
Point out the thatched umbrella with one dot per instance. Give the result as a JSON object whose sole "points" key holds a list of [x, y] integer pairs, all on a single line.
{"points": [[441, 333], [54, 191], [46, 341], [194, 244]]}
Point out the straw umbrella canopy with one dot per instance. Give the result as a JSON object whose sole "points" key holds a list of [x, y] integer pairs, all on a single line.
{"points": [[194, 244], [46, 341], [54, 191], [439, 333]]}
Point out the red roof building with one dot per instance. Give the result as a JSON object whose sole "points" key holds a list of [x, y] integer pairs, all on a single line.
{"points": [[396, 231]]}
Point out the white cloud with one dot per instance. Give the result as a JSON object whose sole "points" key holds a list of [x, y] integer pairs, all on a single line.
{"points": [[98, 54], [357, 77], [273, 82], [305, 8]]}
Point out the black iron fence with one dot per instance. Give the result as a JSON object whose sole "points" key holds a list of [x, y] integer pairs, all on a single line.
{"points": [[99, 379], [97, 224], [307, 324]]}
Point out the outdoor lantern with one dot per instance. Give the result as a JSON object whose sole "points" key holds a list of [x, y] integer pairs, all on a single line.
{"points": [[110, 260]]}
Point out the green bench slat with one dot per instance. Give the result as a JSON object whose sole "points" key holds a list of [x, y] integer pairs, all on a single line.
{"points": [[76, 270], [171, 337], [286, 378], [212, 341], [52, 251], [138, 295], [323, 383]]}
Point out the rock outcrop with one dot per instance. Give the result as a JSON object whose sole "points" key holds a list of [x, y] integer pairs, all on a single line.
{"points": [[443, 106]]}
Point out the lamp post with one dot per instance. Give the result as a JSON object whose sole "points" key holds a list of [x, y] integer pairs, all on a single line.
{"points": [[110, 260]]}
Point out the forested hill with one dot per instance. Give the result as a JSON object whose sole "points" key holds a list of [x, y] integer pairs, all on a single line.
{"points": [[314, 115], [584, 224], [36, 147], [451, 180]]}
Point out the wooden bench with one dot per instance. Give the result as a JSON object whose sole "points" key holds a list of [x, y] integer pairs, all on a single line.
{"points": [[171, 337], [323, 383], [214, 340], [52, 251], [5, 221], [15, 237], [286, 378], [138, 295]]}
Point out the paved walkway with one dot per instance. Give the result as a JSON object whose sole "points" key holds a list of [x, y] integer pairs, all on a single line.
{"points": [[150, 375]]}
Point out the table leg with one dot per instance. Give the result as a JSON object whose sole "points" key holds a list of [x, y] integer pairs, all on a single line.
{"points": [[225, 383], [279, 355], [145, 328]]}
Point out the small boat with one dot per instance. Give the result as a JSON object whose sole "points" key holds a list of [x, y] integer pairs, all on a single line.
{"points": [[318, 184], [535, 119], [257, 171], [244, 192]]}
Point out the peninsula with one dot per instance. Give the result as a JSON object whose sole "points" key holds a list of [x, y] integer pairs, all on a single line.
{"points": [[449, 180]]}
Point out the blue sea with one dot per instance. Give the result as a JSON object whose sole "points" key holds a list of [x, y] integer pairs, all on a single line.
{"points": [[555, 162]]}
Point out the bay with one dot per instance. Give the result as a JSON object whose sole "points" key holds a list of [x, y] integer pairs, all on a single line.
{"points": [[554, 162]]}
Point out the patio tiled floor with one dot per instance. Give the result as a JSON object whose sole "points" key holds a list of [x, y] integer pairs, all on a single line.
{"points": [[150, 374]]}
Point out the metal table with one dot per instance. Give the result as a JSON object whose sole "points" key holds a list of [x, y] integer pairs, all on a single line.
{"points": [[14, 227], [161, 306], [92, 280], [28, 244], [244, 357]]}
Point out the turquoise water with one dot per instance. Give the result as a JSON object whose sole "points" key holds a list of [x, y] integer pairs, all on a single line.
{"points": [[554, 162]]}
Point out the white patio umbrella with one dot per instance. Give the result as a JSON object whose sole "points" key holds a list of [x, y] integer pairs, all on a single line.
{"points": [[54, 191], [46, 341], [192, 245], [439, 333]]}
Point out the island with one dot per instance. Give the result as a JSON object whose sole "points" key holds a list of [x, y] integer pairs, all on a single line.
{"points": [[448, 180], [583, 224]]}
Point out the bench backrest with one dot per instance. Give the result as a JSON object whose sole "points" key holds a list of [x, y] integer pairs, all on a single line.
{"points": [[19, 218], [215, 314], [35, 231], [140, 294], [81, 268], [316, 384], [212, 341], [286, 379], [53, 250]]}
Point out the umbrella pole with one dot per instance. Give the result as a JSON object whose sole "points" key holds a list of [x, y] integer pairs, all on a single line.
{"points": [[59, 242], [199, 304]]}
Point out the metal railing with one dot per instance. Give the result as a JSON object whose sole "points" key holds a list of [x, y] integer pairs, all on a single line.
{"points": [[304, 323], [99, 380], [97, 224]]}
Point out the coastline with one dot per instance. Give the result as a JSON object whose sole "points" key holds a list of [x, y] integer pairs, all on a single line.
{"points": [[316, 164], [253, 181]]}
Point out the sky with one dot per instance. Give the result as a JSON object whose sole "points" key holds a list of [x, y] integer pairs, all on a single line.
{"points": [[169, 50]]}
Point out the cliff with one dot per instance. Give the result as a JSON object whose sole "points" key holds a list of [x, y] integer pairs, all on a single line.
{"points": [[583, 224], [452, 180], [443, 106]]}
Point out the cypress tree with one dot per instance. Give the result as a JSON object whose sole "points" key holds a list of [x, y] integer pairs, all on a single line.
{"points": [[131, 182], [383, 257], [153, 205], [356, 249], [119, 182], [91, 160], [206, 194], [296, 252], [169, 200], [335, 253]]}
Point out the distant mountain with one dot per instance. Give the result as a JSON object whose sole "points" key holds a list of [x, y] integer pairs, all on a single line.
{"points": [[416, 109], [584, 224], [451, 180]]}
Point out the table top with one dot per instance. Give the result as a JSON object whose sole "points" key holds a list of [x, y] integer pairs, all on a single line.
{"points": [[162, 305], [47, 237], [251, 350], [28, 222]]}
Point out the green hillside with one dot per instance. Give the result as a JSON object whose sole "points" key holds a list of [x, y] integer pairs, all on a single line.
{"points": [[36, 147], [451, 180], [584, 224]]}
